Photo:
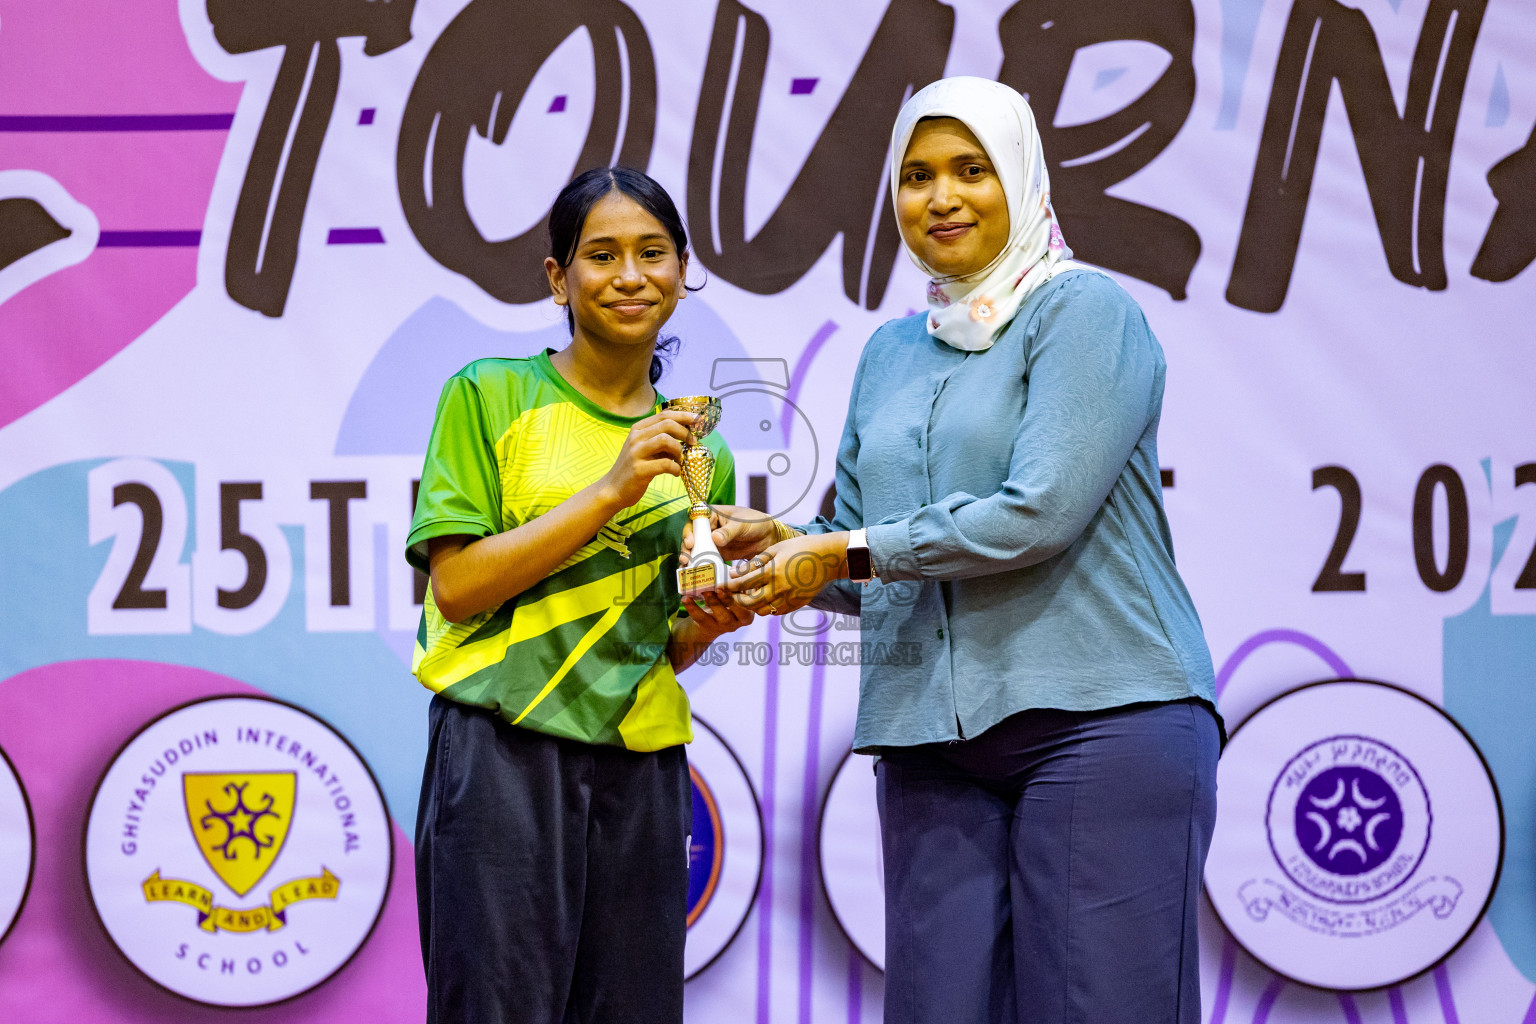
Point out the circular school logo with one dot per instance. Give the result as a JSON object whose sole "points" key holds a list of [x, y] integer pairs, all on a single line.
{"points": [[852, 868], [238, 851], [725, 851], [1358, 836], [1349, 819], [18, 845]]}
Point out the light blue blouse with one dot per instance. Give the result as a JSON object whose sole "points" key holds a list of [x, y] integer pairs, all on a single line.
{"points": [[1014, 506]]}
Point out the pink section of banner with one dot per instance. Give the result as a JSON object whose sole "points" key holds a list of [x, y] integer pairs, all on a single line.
{"points": [[131, 180], [87, 57], [61, 328], [76, 81]]}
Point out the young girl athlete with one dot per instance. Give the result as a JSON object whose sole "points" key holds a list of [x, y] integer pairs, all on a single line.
{"points": [[550, 846]]}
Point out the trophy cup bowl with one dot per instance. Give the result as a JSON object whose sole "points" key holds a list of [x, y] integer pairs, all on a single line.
{"points": [[706, 568], [706, 407]]}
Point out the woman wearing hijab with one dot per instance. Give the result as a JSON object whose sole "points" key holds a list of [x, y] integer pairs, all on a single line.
{"points": [[1046, 773]]}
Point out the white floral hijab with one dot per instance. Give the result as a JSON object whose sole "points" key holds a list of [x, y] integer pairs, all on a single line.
{"points": [[968, 313]]}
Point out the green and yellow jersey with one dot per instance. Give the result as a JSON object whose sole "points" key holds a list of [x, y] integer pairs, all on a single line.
{"points": [[581, 654]]}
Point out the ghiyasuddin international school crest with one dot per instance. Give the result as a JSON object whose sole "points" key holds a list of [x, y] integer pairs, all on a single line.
{"points": [[238, 851], [240, 822]]}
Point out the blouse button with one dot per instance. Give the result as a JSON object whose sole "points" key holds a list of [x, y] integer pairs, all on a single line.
{"points": [[941, 634]]}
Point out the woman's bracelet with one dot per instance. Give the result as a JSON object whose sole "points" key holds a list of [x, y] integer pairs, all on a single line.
{"points": [[783, 531]]}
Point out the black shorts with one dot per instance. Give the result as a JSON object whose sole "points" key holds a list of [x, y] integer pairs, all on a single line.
{"points": [[551, 876]]}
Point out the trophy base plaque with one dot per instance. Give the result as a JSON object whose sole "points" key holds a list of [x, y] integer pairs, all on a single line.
{"points": [[700, 576]]}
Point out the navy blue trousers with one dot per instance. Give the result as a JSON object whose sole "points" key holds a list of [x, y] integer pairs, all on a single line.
{"points": [[551, 876], [1048, 870]]}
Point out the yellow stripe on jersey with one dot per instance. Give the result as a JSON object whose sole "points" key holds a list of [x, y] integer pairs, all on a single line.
{"points": [[660, 703], [592, 636], [442, 666], [547, 613]]}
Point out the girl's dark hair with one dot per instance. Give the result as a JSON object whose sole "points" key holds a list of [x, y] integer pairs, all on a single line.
{"points": [[569, 214]]}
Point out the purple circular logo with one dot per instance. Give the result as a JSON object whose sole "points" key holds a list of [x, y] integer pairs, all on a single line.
{"points": [[1348, 820]]}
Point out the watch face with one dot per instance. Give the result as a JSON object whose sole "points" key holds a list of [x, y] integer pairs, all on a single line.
{"points": [[858, 564]]}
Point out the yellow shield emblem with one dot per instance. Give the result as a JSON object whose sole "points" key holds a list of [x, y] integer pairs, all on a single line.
{"points": [[240, 820]]}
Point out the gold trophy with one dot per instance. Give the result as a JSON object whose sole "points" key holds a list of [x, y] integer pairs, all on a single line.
{"points": [[706, 568]]}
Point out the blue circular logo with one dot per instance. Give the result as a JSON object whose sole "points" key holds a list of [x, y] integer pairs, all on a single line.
{"points": [[706, 850]]}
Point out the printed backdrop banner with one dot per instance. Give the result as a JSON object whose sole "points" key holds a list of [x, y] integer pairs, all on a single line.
{"points": [[242, 245]]}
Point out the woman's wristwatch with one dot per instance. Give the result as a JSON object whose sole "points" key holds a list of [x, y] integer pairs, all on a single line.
{"points": [[860, 568]]}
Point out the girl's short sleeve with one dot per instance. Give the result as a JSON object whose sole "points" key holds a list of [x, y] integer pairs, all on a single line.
{"points": [[460, 492]]}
